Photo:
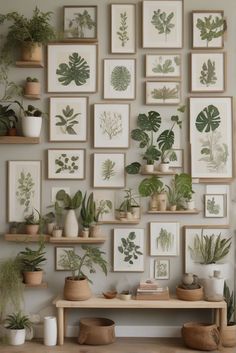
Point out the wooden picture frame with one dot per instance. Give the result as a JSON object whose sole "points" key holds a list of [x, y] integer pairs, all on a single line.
{"points": [[161, 269], [164, 238], [163, 66], [163, 92], [215, 205], [58, 253], [179, 163], [108, 170], [66, 163]]}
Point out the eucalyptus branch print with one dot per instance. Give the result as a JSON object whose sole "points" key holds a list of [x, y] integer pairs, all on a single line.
{"points": [[165, 240], [76, 70], [123, 33], [164, 68], [65, 163], [212, 206], [25, 190], [67, 120], [108, 169], [211, 27], [111, 124], [78, 24], [162, 22], [165, 93], [129, 249], [120, 78], [208, 73]]}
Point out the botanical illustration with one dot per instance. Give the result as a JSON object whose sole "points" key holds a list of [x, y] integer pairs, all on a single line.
{"points": [[120, 78], [164, 68], [208, 73], [165, 93], [65, 163], [163, 22], [212, 207], [67, 120], [108, 169], [129, 249], [77, 70], [213, 150], [25, 190], [161, 269], [210, 27], [165, 240], [123, 33], [80, 23], [111, 124]]}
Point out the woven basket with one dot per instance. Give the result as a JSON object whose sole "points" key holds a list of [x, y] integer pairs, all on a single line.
{"points": [[200, 336], [189, 294], [96, 331]]}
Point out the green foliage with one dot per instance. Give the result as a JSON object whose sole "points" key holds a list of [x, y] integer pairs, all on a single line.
{"points": [[229, 298], [164, 68], [162, 22], [165, 240], [177, 60], [179, 190], [101, 208], [128, 202], [65, 163], [122, 33], [76, 70], [17, 321], [30, 79], [32, 111], [8, 118], [79, 23], [208, 73], [75, 263], [108, 169], [212, 207], [120, 78], [32, 259], [25, 190], [10, 88], [211, 27], [133, 168], [210, 249], [208, 119], [129, 249], [150, 186], [32, 218], [164, 93], [67, 120], [67, 202], [111, 123], [87, 211]]}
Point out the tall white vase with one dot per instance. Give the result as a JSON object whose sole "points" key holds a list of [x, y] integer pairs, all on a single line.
{"points": [[71, 227], [50, 331]]}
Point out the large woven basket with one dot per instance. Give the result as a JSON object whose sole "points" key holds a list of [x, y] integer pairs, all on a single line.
{"points": [[200, 336], [189, 294], [96, 331]]}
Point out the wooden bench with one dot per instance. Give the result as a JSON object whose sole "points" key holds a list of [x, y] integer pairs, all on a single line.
{"points": [[220, 308]]}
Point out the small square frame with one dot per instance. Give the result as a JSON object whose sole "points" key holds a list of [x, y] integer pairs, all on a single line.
{"points": [[66, 163], [113, 175], [215, 205]]}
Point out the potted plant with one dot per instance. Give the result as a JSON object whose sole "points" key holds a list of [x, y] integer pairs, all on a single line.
{"points": [[129, 208], [31, 121], [32, 87], [190, 204], [154, 187], [8, 120], [16, 325], [71, 226], [50, 222], [32, 223], [28, 33], [30, 261], [102, 207], [228, 333], [190, 288], [87, 213], [180, 187], [76, 286]]}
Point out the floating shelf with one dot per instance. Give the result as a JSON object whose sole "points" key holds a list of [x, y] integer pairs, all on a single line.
{"points": [[25, 238], [41, 285], [18, 140], [194, 211], [32, 96], [29, 64], [78, 240], [157, 172], [117, 221]]}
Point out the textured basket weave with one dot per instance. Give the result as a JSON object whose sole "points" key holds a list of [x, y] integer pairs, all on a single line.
{"points": [[96, 331], [200, 336], [189, 294]]}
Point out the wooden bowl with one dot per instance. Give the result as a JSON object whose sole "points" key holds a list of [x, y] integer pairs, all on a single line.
{"points": [[109, 295], [189, 294]]}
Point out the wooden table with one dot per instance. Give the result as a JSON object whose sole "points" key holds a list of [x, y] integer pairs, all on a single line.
{"points": [[100, 303]]}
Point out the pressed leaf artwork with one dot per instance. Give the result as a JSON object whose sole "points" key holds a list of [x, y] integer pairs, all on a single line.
{"points": [[208, 73], [161, 269], [80, 23], [64, 163], [164, 93], [111, 124], [165, 240], [163, 22], [25, 190], [129, 249], [77, 70], [212, 206], [67, 120], [108, 169], [122, 32], [120, 78], [164, 68], [210, 27]]}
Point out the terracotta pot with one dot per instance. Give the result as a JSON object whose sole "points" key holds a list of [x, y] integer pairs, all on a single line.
{"points": [[96, 331], [173, 207], [31, 229], [76, 289], [161, 201], [32, 88], [189, 294], [201, 336], [228, 335], [12, 131], [31, 52], [34, 277], [95, 231]]}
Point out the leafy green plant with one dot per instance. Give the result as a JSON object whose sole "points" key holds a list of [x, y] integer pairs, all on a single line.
{"points": [[162, 22], [164, 68], [102, 207], [78, 24], [229, 298], [129, 249], [211, 27], [120, 78], [150, 186], [76, 263], [32, 111], [31, 79], [165, 240], [87, 211], [32, 259], [179, 190], [111, 124], [108, 169], [17, 321], [67, 120], [122, 33], [128, 202], [208, 73], [66, 163], [76, 70], [8, 118], [164, 93], [212, 207], [32, 218], [209, 249], [67, 202], [9, 89]]}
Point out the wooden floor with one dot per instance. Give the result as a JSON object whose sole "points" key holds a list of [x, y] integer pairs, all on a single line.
{"points": [[122, 345]]}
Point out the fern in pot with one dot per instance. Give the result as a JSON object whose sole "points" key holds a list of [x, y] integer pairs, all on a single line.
{"points": [[16, 325]]}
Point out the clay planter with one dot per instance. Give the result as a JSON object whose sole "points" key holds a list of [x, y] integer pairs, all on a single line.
{"points": [[228, 335], [201, 336], [34, 277], [95, 231], [173, 207], [95, 331], [32, 88], [161, 201], [189, 294], [12, 131], [31, 229], [76, 289], [31, 52]]}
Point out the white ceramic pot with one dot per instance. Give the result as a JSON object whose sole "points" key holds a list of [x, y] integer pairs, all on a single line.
{"points": [[190, 205], [57, 233], [31, 126], [50, 227], [164, 167], [213, 287], [148, 168], [50, 330], [85, 233], [71, 227], [16, 337], [136, 212]]}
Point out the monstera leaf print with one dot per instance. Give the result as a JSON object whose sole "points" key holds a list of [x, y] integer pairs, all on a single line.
{"points": [[208, 119], [76, 70], [150, 122], [120, 78], [166, 140]]}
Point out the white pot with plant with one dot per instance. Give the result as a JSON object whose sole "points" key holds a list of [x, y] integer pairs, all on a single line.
{"points": [[31, 121], [76, 286], [190, 203], [16, 325]]}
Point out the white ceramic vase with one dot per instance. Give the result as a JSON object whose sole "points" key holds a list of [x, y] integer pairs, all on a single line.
{"points": [[71, 227], [50, 330], [16, 337], [190, 204], [164, 167], [31, 125]]}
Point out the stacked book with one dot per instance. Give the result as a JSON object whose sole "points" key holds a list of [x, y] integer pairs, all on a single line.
{"points": [[150, 290]]}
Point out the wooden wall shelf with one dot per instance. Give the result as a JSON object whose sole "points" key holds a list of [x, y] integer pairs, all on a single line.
{"points": [[78, 240], [182, 212], [117, 221], [157, 172], [18, 140], [29, 64], [25, 238], [41, 285], [32, 96]]}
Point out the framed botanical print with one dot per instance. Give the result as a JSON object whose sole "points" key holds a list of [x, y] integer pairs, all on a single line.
{"points": [[108, 170], [123, 28], [208, 29], [66, 163], [163, 93], [215, 205], [80, 22], [162, 23], [24, 189], [211, 137], [119, 79], [72, 68], [163, 66], [162, 269], [207, 72], [111, 125], [164, 239], [128, 250], [59, 254], [177, 161], [68, 119], [105, 201]]}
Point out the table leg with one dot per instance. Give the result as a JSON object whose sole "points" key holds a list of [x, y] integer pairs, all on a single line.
{"points": [[223, 318], [60, 312], [65, 321], [217, 317]]}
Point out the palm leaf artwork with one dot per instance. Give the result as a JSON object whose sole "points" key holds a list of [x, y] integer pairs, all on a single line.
{"points": [[76, 70], [165, 93], [108, 169], [120, 78], [208, 73], [211, 27], [67, 120], [162, 22]]}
